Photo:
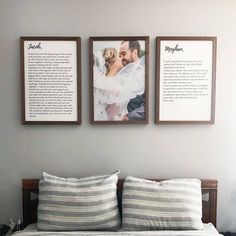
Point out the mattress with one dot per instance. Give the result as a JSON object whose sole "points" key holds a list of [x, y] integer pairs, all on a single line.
{"points": [[207, 230]]}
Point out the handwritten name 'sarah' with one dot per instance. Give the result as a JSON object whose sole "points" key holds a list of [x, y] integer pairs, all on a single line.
{"points": [[32, 46], [175, 49]]}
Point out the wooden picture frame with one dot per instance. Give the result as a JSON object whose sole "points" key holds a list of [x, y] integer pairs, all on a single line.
{"points": [[119, 70], [185, 80], [51, 80]]}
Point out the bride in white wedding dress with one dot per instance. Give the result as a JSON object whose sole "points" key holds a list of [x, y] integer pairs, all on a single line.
{"points": [[114, 85]]}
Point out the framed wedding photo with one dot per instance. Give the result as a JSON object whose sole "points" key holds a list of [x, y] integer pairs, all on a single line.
{"points": [[51, 80], [186, 78], [119, 80]]}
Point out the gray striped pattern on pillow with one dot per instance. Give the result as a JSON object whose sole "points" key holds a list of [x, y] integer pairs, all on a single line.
{"points": [[78, 204], [170, 204]]}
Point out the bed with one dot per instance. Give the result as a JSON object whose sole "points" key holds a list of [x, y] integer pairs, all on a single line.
{"points": [[30, 203]]}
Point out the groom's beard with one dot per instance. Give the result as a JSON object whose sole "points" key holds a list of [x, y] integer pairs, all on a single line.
{"points": [[126, 62]]}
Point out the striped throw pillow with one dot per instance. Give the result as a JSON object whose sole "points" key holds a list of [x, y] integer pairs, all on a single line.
{"points": [[78, 204], [170, 204]]}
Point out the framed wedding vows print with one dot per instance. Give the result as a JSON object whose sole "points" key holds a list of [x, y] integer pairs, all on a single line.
{"points": [[119, 80], [51, 80], [186, 74]]}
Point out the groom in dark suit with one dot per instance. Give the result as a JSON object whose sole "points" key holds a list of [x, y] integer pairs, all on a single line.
{"points": [[130, 53]]}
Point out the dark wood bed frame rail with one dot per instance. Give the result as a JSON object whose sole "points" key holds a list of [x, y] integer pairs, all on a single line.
{"points": [[30, 200]]}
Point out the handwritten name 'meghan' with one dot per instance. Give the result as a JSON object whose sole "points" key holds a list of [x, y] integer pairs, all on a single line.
{"points": [[175, 49]]}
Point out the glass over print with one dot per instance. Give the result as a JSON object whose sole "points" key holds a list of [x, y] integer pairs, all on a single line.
{"points": [[119, 80]]}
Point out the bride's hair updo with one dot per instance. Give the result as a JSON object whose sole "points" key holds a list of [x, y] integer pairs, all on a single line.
{"points": [[110, 56]]}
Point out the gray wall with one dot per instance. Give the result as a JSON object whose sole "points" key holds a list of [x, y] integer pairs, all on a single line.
{"points": [[203, 151]]}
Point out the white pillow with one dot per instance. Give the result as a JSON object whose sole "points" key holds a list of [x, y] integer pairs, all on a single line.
{"points": [[78, 204], [170, 204]]}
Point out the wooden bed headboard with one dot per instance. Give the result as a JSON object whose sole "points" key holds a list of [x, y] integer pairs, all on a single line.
{"points": [[30, 199]]}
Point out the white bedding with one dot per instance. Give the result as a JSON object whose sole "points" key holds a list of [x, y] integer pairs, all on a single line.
{"points": [[208, 230]]}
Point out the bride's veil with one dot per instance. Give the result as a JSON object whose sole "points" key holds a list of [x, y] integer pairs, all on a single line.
{"points": [[99, 63], [125, 85]]}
